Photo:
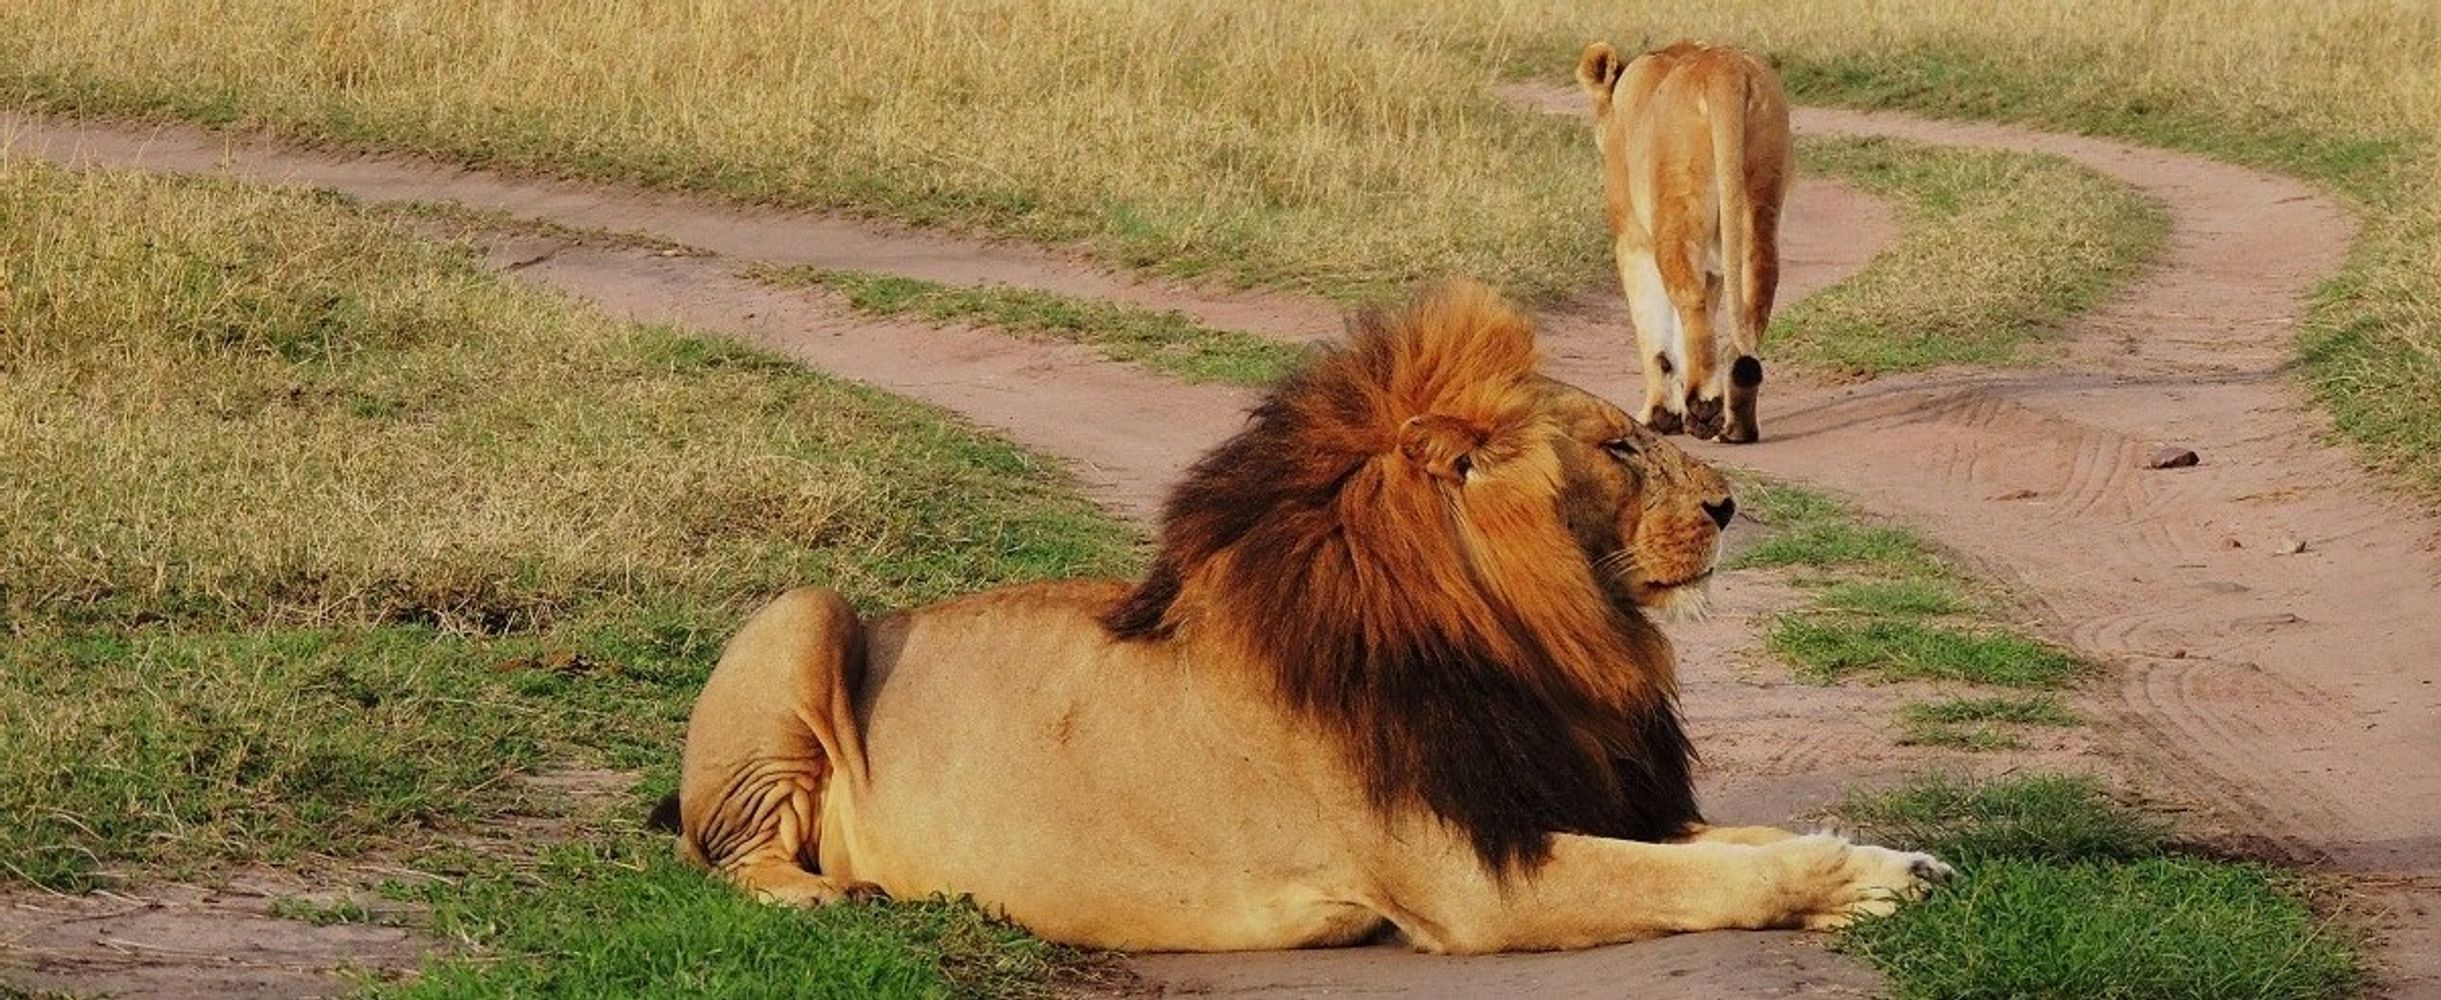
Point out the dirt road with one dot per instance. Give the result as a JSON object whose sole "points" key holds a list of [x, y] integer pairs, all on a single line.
{"points": [[2292, 696]]}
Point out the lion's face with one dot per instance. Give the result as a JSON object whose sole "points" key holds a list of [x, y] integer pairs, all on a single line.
{"points": [[1648, 515]]}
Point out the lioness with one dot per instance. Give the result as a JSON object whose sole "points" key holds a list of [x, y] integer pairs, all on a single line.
{"points": [[1391, 667], [1695, 164]]}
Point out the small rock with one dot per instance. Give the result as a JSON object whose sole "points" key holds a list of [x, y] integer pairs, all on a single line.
{"points": [[2288, 545], [2178, 654], [2015, 495], [2170, 456], [2232, 543]]}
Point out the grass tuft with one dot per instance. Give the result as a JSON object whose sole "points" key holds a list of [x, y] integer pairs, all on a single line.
{"points": [[1979, 723], [2042, 710], [1903, 597], [1896, 649], [1170, 343], [1810, 529]]}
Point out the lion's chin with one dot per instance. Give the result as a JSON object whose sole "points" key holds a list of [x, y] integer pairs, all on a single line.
{"points": [[1681, 602]]}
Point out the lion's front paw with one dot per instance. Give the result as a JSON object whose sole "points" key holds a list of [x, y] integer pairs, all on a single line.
{"points": [[1839, 882]]}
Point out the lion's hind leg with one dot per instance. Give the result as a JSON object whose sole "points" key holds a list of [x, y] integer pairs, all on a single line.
{"points": [[768, 737]]}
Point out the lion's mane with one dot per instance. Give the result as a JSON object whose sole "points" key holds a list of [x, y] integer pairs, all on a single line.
{"points": [[1463, 654]]}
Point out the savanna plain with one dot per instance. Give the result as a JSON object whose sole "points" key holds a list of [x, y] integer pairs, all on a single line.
{"points": [[332, 555]]}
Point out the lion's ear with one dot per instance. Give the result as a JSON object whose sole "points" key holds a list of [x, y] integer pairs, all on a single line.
{"points": [[1598, 69], [1442, 446]]}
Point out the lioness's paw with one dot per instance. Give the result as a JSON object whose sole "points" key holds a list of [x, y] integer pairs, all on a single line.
{"points": [[1842, 882], [1703, 418]]}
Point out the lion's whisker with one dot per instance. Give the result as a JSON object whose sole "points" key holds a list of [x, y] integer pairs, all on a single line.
{"points": [[1618, 564]]}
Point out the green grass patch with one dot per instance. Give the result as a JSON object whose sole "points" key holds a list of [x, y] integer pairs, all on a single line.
{"points": [[619, 917], [2063, 893], [1164, 341], [1805, 528], [1888, 649], [322, 540], [2000, 249], [1979, 723]]}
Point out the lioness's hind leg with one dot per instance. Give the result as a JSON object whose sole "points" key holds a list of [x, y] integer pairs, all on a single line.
{"points": [[1745, 383], [1692, 292], [767, 739], [1658, 341]]}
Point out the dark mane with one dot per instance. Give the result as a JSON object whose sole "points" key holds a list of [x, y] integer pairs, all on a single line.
{"points": [[1466, 660]]}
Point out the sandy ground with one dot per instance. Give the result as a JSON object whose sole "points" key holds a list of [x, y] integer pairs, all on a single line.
{"points": [[2288, 698]]}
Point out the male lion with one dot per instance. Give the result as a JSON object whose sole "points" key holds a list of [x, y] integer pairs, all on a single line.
{"points": [[1390, 668], [1695, 163]]}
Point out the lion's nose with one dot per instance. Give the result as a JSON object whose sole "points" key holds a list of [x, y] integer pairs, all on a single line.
{"points": [[1721, 512]]}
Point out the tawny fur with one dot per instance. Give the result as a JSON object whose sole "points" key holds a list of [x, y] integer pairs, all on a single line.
{"points": [[1392, 667], [1695, 165]]}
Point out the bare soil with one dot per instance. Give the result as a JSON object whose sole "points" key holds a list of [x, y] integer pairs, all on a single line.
{"points": [[194, 941], [2287, 698]]}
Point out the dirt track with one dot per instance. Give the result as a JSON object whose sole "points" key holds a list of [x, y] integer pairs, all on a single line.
{"points": [[2292, 696]]}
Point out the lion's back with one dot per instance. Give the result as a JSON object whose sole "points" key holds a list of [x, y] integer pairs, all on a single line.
{"points": [[1019, 752]]}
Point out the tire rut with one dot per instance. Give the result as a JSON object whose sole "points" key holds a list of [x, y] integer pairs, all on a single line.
{"points": [[764, 234]]}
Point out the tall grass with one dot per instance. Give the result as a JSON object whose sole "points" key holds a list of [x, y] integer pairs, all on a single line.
{"points": [[1272, 143], [1341, 147]]}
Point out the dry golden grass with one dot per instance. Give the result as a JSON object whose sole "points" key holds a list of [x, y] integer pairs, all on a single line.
{"points": [[1270, 142], [230, 406], [1245, 141], [1999, 250], [1344, 147]]}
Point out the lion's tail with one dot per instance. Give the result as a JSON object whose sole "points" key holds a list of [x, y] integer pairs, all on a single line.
{"points": [[664, 818]]}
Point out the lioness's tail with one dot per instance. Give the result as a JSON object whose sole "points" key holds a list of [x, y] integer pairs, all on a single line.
{"points": [[1727, 98], [1749, 122]]}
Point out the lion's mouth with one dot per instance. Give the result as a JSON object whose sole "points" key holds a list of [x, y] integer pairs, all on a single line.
{"points": [[1701, 577], [1685, 600]]}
